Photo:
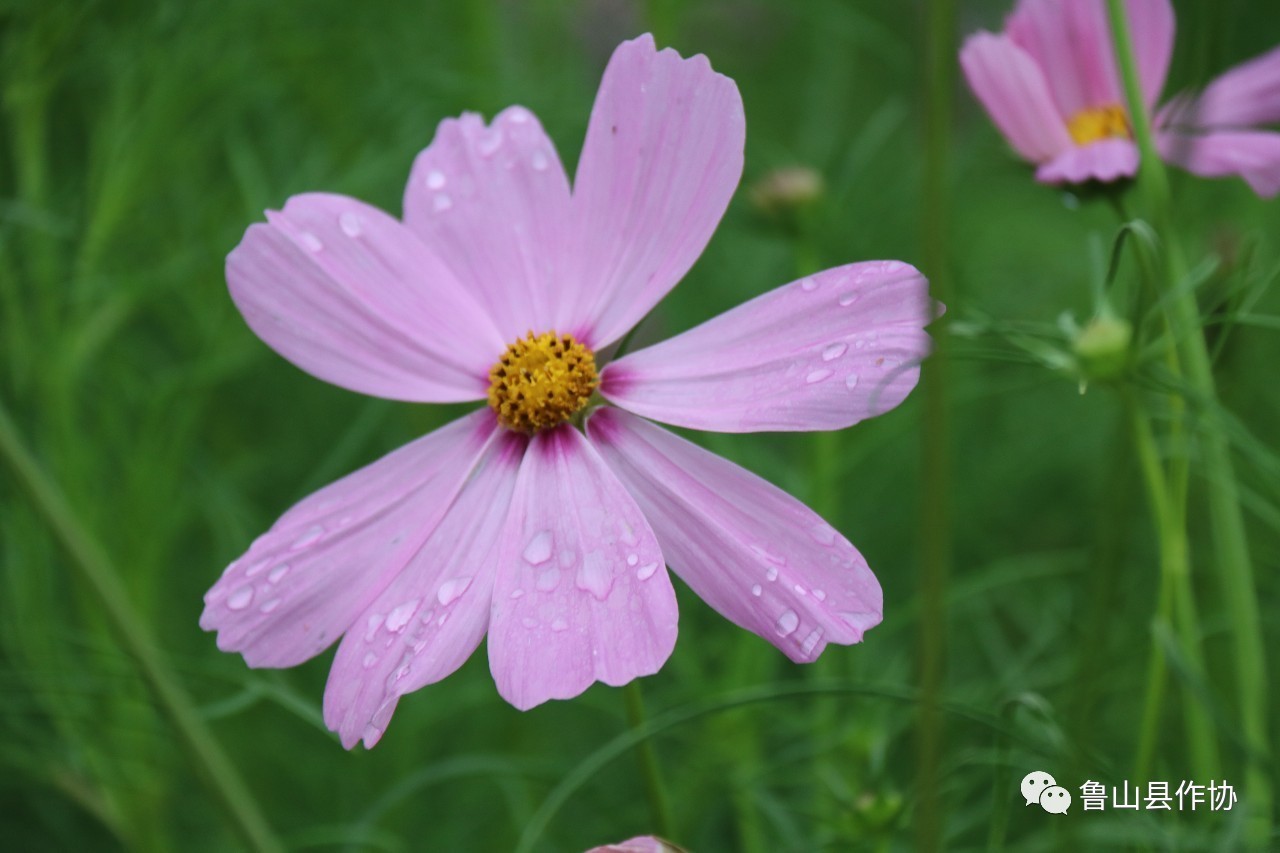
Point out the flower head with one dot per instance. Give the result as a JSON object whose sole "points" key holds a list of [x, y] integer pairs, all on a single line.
{"points": [[503, 285], [1051, 85]]}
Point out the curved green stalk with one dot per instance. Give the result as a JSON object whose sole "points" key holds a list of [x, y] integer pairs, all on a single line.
{"points": [[97, 569], [1234, 569], [659, 812]]}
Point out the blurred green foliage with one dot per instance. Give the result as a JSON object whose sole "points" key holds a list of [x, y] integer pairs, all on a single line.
{"points": [[138, 140]]}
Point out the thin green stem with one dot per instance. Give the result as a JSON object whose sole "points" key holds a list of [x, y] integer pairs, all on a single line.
{"points": [[935, 497], [659, 812], [87, 554], [1234, 567]]}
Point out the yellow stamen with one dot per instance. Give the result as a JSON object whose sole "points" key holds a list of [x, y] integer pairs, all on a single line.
{"points": [[1094, 123], [541, 381]]}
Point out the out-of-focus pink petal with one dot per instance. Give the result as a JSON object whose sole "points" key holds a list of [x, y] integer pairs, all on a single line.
{"points": [[662, 157], [639, 844], [1013, 90], [430, 619], [303, 582], [760, 557], [493, 202], [821, 353], [351, 296], [1152, 27], [1242, 97], [1252, 154], [1104, 160], [582, 594]]}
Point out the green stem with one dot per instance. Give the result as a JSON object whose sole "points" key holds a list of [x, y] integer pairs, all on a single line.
{"points": [[1234, 568], [935, 497], [659, 812], [88, 555]]}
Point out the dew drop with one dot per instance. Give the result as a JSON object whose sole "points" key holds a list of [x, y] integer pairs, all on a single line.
{"points": [[824, 533], [435, 179], [372, 626], [834, 351], [811, 641], [757, 590], [518, 115], [451, 589], [441, 202], [310, 241], [851, 381], [369, 659], [808, 284], [847, 299], [820, 595], [772, 574], [517, 593], [627, 532], [241, 598], [800, 590], [818, 375], [646, 571], [268, 606], [538, 551], [539, 161], [398, 618], [787, 623], [311, 537], [594, 575], [489, 142], [632, 559], [350, 224], [559, 625]]}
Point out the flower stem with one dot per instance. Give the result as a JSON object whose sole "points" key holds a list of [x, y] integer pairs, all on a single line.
{"points": [[98, 570], [659, 812], [1234, 568]]}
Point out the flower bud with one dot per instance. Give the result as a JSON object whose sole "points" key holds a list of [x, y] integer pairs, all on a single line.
{"points": [[1102, 347]]}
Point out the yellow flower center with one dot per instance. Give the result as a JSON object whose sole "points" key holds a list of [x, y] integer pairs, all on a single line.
{"points": [[1094, 123], [541, 381]]}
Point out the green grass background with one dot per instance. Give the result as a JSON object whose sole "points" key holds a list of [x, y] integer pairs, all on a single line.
{"points": [[139, 139]]}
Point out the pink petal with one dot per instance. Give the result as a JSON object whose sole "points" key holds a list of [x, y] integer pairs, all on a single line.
{"points": [[430, 619], [582, 594], [1071, 42], [349, 295], [639, 844], [1252, 154], [304, 581], [1104, 160], [1245, 96], [662, 158], [760, 557], [1014, 93], [821, 353], [493, 202]]}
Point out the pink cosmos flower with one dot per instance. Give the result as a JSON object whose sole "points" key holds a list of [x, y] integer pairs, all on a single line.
{"points": [[639, 844], [501, 283], [1051, 85]]}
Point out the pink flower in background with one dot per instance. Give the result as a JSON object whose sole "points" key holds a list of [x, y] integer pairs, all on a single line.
{"points": [[1050, 83], [639, 844], [503, 284]]}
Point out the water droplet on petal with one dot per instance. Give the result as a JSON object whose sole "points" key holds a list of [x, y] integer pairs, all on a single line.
{"points": [[369, 659], [518, 115], [441, 202], [847, 299], [627, 532], [516, 593], [268, 606], [632, 559], [811, 641], [757, 590], [559, 625], [451, 589], [540, 161], [372, 626], [398, 618], [818, 375], [311, 537], [851, 381], [489, 142], [772, 574], [646, 571], [310, 241], [824, 533], [800, 590], [538, 551], [350, 224], [435, 179], [787, 623], [241, 598], [808, 284], [594, 575], [820, 595], [834, 351]]}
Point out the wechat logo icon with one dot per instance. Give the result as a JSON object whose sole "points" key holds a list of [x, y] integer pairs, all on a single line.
{"points": [[1040, 787]]}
